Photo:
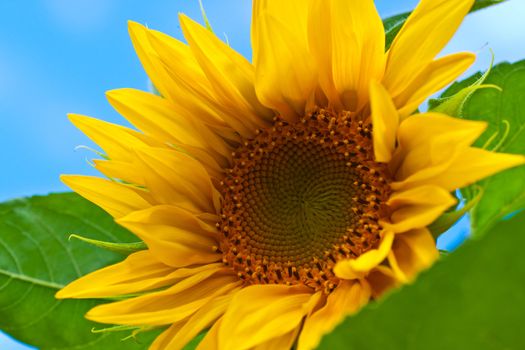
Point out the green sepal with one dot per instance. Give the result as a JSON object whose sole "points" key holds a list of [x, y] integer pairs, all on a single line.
{"points": [[121, 248], [447, 220], [98, 153], [135, 331], [205, 17], [453, 105], [114, 329]]}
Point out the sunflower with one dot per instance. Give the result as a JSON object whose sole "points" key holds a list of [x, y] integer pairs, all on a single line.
{"points": [[276, 197]]}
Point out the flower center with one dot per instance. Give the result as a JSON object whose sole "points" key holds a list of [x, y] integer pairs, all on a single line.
{"points": [[299, 197]]}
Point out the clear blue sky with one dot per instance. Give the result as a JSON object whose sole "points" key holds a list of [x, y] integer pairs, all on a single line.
{"points": [[60, 56]]}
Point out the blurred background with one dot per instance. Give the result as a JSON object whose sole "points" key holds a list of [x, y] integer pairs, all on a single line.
{"points": [[60, 56]]}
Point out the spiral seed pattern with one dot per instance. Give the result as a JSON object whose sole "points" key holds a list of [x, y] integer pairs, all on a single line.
{"points": [[299, 197]]}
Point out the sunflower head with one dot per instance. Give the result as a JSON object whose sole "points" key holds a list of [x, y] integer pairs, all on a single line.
{"points": [[277, 196]]}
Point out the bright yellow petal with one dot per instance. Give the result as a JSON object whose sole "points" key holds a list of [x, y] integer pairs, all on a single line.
{"points": [[417, 207], [359, 267], [140, 271], [151, 63], [432, 140], [174, 235], [423, 36], [433, 78], [167, 121], [285, 341], [121, 170], [358, 45], [169, 306], [177, 75], [259, 313], [320, 46], [385, 120], [115, 198], [293, 14], [117, 141], [382, 279], [230, 74], [185, 74], [285, 73], [178, 335], [347, 298], [412, 252], [469, 166], [211, 339], [434, 149], [175, 178]]}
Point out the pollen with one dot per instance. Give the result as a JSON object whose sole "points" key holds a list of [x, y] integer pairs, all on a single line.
{"points": [[301, 196]]}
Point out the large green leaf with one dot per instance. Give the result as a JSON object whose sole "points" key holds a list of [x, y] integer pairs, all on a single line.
{"points": [[472, 299], [393, 24], [504, 110], [481, 4], [36, 260]]}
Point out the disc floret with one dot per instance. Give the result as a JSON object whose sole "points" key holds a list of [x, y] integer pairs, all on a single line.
{"points": [[301, 196]]}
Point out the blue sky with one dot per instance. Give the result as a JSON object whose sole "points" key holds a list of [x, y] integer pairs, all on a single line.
{"points": [[60, 56]]}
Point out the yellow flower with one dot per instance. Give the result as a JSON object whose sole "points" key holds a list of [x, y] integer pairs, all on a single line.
{"points": [[278, 196]]}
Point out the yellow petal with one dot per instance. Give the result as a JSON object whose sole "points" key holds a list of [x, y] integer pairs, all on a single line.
{"points": [[266, 311], [381, 280], [150, 61], [285, 341], [121, 170], [385, 120], [475, 164], [347, 298], [469, 166], [424, 34], [432, 140], [320, 46], [359, 267], [176, 58], [175, 178], [433, 78], [230, 74], [178, 335], [177, 75], [170, 79], [417, 207], [285, 73], [412, 252], [115, 198], [117, 141], [169, 306], [166, 121], [174, 235], [140, 271], [211, 339], [291, 13], [358, 45]]}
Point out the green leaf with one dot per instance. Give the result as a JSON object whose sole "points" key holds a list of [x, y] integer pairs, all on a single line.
{"points": [[472, 299], [36, 260], [393, 24], [504, 110], [481, 4]]}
